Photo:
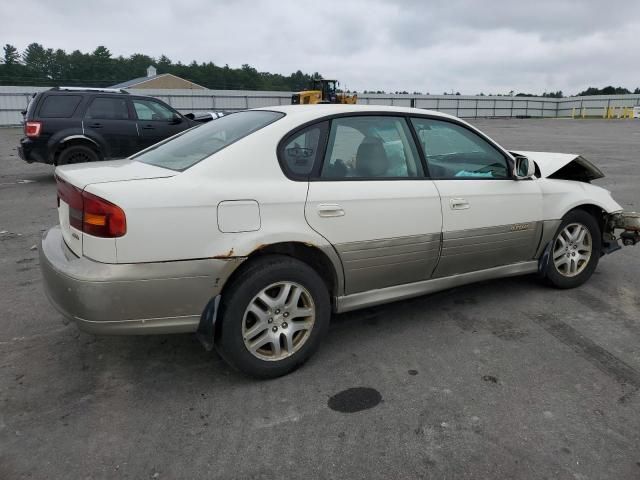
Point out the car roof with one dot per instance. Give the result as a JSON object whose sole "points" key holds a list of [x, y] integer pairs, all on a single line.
{"points": [[90, 91], [304, 113], [95, 90]]}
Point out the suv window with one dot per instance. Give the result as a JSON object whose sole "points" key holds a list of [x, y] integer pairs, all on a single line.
{"points": [[370, 147], [454, 152], [301, 151], [186, 149], [59, 106], [108, 108], [150, 110]]}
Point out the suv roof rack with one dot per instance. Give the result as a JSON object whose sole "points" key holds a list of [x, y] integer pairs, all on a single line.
{"points": [[90, 89]]}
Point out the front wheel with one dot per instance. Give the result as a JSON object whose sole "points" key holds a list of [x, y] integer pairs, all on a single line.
{"points": [[274, 315], [575, 250]]}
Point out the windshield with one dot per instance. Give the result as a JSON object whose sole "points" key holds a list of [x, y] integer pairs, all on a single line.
{"points": [[192, 146]]}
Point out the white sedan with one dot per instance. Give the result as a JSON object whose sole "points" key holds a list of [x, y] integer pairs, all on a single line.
{"points": [[251, 230]]}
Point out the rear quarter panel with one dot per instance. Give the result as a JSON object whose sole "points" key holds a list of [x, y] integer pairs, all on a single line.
{"points": [[175, 218]]}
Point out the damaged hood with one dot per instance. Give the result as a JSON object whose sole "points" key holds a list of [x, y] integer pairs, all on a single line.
{"points": [[566, 166]]}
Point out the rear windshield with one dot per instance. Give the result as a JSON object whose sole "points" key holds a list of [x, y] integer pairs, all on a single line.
{"points": [[59, 106], [188, 148]]}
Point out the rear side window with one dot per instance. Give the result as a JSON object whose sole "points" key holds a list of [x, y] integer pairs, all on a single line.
{"points": [[59, 106], [187, 149], [373, 147], [105, 108], [300, 152]]}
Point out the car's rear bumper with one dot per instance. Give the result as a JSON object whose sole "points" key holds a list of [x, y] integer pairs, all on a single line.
{"points": [[31, 151], [127, 299]]}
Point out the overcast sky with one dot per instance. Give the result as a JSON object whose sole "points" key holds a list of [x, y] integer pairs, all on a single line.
{"points": [[433, 46]]}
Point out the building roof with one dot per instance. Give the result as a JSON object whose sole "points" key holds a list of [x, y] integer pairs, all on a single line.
{"points": [[135, 81], [139, 80]]}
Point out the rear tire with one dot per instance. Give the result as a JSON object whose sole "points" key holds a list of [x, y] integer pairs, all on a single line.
{"points": [[273, 316], [77, 154], [575, 250]]}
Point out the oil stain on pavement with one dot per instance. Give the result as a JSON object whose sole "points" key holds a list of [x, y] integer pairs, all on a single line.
{"points": [[355, 400]]}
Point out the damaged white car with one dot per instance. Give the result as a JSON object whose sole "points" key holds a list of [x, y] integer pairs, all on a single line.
{"points": [[251, 230]]}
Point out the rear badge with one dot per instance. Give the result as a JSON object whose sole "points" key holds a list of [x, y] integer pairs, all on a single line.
{"points": [[519, 226]]}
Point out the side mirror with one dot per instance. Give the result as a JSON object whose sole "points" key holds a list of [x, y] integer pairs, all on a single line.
{"points": [[525, 169], [176, 119]]}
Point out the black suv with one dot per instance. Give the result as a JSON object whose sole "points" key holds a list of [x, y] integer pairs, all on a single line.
{"points": [[73, 125]]}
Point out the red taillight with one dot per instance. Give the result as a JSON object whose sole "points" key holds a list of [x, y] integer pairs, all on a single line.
{"points": [[101, 218], [90, 213], [32, 129], [72, 196]]}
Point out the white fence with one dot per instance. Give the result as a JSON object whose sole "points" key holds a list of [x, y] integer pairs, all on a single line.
{"points": [[13, 100]]}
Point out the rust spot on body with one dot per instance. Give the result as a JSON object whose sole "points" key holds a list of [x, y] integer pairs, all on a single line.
{"points": [[229, 254]]}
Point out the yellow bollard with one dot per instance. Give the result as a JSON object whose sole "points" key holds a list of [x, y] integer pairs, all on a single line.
{"points": [[573, 113], [584, 112], [604, 112]]}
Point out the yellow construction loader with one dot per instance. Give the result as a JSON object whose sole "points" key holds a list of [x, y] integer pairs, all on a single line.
{"points": [[322, 91]]}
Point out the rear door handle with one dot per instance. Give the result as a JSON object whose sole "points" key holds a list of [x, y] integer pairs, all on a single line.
{"points": [[459, 204], [330, 210], [96, 125], [148, 127]]}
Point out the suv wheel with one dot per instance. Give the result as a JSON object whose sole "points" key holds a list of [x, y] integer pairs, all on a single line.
{"points": [[274, 316], [575, 250], [77, 154]]}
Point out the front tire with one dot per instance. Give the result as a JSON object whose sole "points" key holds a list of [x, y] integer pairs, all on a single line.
{"points": [[274, 315], [575, 250]]}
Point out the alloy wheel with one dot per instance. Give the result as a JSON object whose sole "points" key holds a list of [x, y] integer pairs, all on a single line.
{"points": [[278, 321], [572, 250]]}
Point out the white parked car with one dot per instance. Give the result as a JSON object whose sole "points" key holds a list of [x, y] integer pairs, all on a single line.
{"points": [[254, 228]]}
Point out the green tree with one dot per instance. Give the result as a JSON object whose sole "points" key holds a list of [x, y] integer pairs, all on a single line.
{"points": [[34, 58], [609, 90], [11, 55], [44, 66]]}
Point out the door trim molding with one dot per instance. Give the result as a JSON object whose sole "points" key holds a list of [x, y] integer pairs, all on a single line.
{"points": [[401, 292]]}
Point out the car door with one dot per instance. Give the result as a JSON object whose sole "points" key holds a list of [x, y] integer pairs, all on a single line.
{"points": [[107, 120], [489, 218], [156, 121], [371, 201]]}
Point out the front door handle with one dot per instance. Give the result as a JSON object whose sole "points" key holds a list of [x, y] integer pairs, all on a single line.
{"points": [[148, 127], [96, 125], [330, 210], [459, 204]]}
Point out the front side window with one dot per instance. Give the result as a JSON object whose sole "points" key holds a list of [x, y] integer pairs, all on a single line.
{"points": [[300, 153], [187, 149], [454, 152], [150, 110], [370, 147], [59, 106], [107, 108]]}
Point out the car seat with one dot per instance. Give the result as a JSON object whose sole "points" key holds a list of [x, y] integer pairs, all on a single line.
{"points": [[371, 158]]}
